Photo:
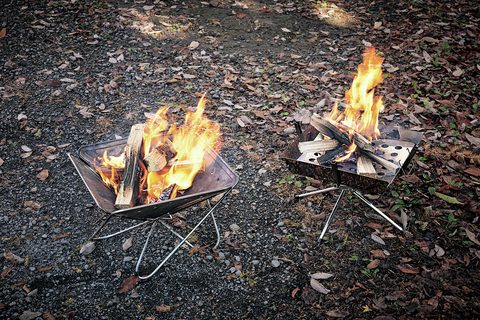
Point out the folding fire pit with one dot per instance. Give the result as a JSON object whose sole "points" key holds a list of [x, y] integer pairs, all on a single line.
{"points": [[215, 179], [398, 147], [349, 148]]}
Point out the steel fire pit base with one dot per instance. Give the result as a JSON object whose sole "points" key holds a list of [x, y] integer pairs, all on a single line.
{"points": [[217, 178], [344, 189]]}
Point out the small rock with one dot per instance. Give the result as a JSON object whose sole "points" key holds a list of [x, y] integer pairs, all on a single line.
{"points": [[29, 315], [234, 227], [275, 263]]}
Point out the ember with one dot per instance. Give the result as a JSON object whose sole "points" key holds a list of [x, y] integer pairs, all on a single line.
{"points": [[160, 159]]}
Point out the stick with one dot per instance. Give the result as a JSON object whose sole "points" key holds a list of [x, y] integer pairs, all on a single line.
{"points": [[317, 146], [326, 128], [365, 166], [385, 163], [128, 189]]}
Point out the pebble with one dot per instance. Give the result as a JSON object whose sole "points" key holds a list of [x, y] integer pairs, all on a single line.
{"points": [[221, 256], [275, 263], [234, 227]]}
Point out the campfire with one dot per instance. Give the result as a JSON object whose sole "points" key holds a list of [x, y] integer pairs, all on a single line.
{"points": [[350, 147], [351, 139], [160, 159]]}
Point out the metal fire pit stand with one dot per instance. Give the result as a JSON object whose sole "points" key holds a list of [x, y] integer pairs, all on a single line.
{"points": [[159, 221], [216, 179], [343, 189]]}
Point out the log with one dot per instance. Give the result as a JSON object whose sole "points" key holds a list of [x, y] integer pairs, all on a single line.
{"points": [[317, 146], [330, 130], [331, 155], [167, 149], [381, 161], [155, 161], [365, 166], [128, 188]]}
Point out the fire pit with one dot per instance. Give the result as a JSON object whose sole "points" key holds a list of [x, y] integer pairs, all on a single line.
{"points": [[156, 192], [350, 148]]}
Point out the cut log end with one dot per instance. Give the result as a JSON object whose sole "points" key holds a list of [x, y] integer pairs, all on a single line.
{"points": [[365, 166], [155, 161]]}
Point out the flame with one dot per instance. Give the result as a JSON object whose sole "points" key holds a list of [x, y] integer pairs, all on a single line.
{"points": [[190, 141], [362, 106], [108, 170], [351, 149]]}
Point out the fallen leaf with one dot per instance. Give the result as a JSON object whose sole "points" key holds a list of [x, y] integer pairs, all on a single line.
{"points": [[294, 292], [29, 315], [471, 237], [407, 269], [458, 72], [474, 171], [427, 57], [127, 244], [193, 45], [147, 8], [377, 239], [318, 286], [26, 148], [10, 256], [87, 248], [377, 25], [240, 123], [42, 175], [337, 314], [286, 30], [321, 275], [473, 140], [21, 116], [377, 253], [1, 162], [32, 205], [448, 199], [3, 33], [373, 264], [163, 308], [25, 155], [188, 76], [128, 284], [112, 60]]}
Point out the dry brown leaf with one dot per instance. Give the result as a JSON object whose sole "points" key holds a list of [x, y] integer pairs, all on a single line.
{"points": [[408, 269], [377, 253], [193, 45], [163, 308], [3, 33], [474, 171], [321, 275], [318, 286], [1, 162], [127, 244], [294, 292], [377, 239], [373, 264], [32, 205], [128, 284], [42, 175], [471, 237]]}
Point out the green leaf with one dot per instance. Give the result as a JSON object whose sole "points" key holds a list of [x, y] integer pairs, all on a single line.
{"points": [[448, 199], [298, 184], [432, 190]]}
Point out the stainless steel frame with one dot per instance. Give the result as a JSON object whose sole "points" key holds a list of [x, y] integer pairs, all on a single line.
{"points": [[217, 178]]}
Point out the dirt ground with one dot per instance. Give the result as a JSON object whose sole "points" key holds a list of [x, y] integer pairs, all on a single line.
{"points": [[78, 72]]}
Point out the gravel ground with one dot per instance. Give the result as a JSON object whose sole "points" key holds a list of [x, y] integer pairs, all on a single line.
{"points": [[78, 72]]}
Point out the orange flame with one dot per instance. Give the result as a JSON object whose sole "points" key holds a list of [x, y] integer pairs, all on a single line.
{"points": [[363, 107], [108, 170], [190, 141]]}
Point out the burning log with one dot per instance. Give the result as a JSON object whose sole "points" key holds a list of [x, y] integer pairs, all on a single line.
{"points": [[331, 155], [128, 188], [160, 157], [365, 166], [317, 145], [328, 129]]}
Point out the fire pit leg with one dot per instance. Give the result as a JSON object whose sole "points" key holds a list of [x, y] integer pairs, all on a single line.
{"points": [[368, 203], [330, 216], [208, 214], [303, 195], [217, 230]]}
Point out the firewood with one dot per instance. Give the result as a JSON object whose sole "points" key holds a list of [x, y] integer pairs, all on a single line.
{"points": [[167, 149], [381, 161], [365, 166], [317, 146], [155, 160], [188, 162], [330, 130], [332, 155], [128, 188]]}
